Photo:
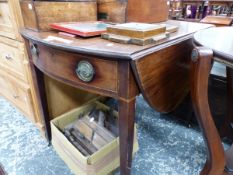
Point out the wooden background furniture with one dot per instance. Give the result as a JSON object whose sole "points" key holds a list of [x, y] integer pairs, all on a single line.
{"points": [[14, 68], [218, 21], [16, 80], [201, 8], [159, 72], [2, 171], [217, 44], [175, 9], [221, 21], [38, 15], [122, 11]]}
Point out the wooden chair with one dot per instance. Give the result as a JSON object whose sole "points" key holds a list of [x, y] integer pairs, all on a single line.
{"points": [[209, 50]]}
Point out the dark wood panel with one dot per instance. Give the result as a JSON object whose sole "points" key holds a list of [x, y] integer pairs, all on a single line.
{"points": [[62, 65], [163, 76], [126, 75], [149, 11], [113, 11], [126, 107]]}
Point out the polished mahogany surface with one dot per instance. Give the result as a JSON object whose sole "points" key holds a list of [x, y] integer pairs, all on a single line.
{"points": [[160, 72], [110, 50], [220, 40]]}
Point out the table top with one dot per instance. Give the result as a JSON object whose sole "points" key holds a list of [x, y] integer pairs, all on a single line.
{"points": [[218, 20], [111, 50], [220, 40]]}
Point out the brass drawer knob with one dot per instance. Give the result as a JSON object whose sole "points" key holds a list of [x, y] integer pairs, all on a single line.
{"points": [[8, 57], [85, 71]]}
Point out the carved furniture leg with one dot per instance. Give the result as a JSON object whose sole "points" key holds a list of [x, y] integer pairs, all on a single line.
{"points": [[127, 98], [200, 70]]}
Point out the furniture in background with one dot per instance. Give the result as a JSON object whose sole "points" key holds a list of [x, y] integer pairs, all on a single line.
{"points": [[38, 15], [15, 76], [220, 7], [195, 10], [159, 72], [218, 21], [214, 44], [175, 9], [119, 11], [16, 80]]}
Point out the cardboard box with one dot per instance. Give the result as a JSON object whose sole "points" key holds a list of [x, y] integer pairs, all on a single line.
{"points": [[103, 162]]}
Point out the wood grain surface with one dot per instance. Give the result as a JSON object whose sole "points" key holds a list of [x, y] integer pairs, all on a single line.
{"points": [[218, 20], [62, 65], [163, 77], [149, 11], [62, 98], [112, 11], [43, 13]]}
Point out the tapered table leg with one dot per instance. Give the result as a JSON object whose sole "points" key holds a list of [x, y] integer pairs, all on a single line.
{"points": [[126, 126], [128, 91], [200, 69]]}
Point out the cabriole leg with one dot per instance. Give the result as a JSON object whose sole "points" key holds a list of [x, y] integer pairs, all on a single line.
{"points": [[201, 65]]}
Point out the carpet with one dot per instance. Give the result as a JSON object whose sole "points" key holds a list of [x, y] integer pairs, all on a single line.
{"points": [[167, 146], [2, 171]]}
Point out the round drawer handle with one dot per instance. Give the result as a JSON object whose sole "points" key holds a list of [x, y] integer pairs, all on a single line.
{"points": [[85, 71], [34, 50], [8, 57], [15, 96]]}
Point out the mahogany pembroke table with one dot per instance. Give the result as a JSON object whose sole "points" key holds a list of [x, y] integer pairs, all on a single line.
{"points": [[121, 71]]}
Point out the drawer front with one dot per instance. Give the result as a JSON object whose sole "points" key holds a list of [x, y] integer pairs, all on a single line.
{"points": [[13, 60], [6, 21], [18, 93], [77, 70], [5, 86]]}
